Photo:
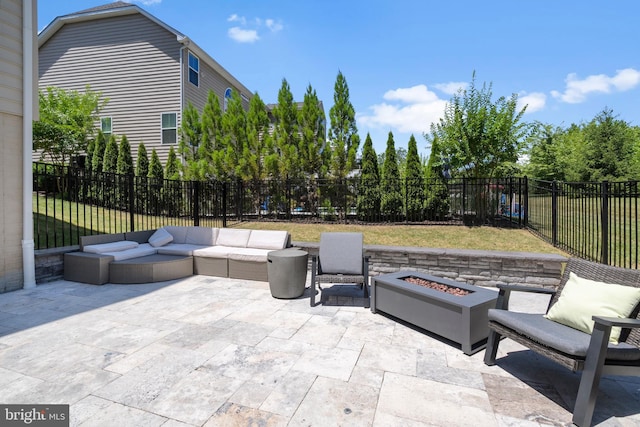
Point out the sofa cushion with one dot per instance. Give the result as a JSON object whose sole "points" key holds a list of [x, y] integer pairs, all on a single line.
{"points": [[249, 254], [100, 238], [581, 299], [214, 252], [267, 239], [557, 336], [234, 237], [205, 236], [185, 249], [160, 238], [179, 233], [139, 251], [103, 248]]}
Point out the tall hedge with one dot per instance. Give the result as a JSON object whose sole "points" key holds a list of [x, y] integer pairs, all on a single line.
{"points": [[390, 184], [414, 183], [369, 186]]}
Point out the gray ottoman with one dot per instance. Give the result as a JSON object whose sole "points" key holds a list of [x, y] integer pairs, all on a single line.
{"points": [[287, 272]]}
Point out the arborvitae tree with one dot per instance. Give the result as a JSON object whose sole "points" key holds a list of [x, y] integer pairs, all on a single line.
{"points": [[251, 167], [234, 128], [343, 133], [155, 166], [211, 134], [414, 183], [91, 145], [142, 163], [313, 135], [98, 152], [125, 161], [172, 168], [390, 186], [369, 186], [437, 201], [190, 142], [110, 161], [286, 132]]}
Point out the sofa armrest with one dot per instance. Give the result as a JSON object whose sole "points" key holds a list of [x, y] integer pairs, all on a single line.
{"points": [[616, 321], [504, 293]]}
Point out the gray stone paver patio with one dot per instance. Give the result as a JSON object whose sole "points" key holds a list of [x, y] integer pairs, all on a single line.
{"points": [[206, 351]]}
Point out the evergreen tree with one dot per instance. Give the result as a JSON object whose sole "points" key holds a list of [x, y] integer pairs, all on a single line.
{"points": [[142, 162], [414, 183], [190, 142], [390, 186], [156, 182], [369, 186], [343, 133], [286, 132], [91, 145], [98, 152], [155, 166], [251, 166], [234, 127], [313, 135], [172, 168], [125, 161], [211, 134], [110, 161], [437, 201]]}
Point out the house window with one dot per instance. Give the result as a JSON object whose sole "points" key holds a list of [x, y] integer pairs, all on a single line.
{"points": [[169, 128], [194, 69], [227, 97], [105, 125]]}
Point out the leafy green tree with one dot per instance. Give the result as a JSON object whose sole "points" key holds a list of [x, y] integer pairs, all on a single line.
{"points": [[125, 161], [477, 135], [286, 133], [390, 185], [142, 162], [343, 133], [368, 206], [313, 135], [110, 161], [67, 122], [414, 183], [97, 156], [173, 167]]}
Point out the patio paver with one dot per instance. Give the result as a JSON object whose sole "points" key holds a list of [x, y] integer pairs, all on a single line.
{"points": [[207, 351]]}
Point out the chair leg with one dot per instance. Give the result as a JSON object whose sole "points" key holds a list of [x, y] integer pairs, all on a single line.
{"points": [[312, 289], [492, 348], [590, 380], [367, 302]]}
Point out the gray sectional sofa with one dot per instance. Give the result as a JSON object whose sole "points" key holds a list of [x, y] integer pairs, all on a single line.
{"points": [[173, 252]]}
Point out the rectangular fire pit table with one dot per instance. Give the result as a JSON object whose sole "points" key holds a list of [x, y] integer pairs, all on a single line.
{"points": [[461, 319]]}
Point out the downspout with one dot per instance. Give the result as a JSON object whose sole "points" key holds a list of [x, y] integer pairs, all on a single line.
{"points": [[28, 257], [185, 43]]}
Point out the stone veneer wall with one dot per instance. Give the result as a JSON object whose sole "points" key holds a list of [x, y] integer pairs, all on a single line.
{"points": [[482, 268]]}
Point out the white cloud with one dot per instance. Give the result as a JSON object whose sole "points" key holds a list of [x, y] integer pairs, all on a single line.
{"points": [[451, 88], [235, 18], [535, 101], [273, 25], [576, 90], [416, 108], [148, 2], [243, 36]]}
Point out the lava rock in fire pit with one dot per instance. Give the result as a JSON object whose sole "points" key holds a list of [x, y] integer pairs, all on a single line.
{"points": [[436, 286]]}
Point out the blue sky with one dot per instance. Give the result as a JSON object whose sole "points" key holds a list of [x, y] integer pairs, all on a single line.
{"points": [[403, 59]]}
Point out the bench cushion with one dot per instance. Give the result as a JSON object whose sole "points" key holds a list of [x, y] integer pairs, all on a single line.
{"points": [[205, 236], [103, 248], [139, 251], [214, 252], [234, 237], [267, 239], [184, 249], [557, 336], [249, 254]]}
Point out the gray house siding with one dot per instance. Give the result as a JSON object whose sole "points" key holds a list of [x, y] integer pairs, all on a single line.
{"points": [[133, 61]]}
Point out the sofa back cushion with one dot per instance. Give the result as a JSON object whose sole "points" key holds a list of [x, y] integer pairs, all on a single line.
{"points": [[100, 238], [234, 237], [268, 239], [179, 233], [104, 248], [205, 236], [160, 238]]}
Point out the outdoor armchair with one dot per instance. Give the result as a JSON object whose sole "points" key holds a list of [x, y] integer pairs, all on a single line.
{"points": [[592, 353], [341, 260]]}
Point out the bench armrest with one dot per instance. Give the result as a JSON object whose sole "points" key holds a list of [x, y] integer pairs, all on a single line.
{"points": [[504, 293], [616, 321]]}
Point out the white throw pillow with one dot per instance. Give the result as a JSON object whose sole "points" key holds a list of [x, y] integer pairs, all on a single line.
{"points": [[160, 238]]}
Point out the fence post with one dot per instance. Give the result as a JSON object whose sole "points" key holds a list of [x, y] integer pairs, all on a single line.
{"points": [[224, 204], [464, 196], [132, 216], [195, 197], [554, 213], [604, 218], [525, 201], [345, 188]]}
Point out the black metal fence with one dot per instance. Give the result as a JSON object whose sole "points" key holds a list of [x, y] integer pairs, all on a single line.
{"points": [[595, 221]]}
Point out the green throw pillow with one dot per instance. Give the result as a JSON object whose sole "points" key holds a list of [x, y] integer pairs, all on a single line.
{"points": [[582, 298]]}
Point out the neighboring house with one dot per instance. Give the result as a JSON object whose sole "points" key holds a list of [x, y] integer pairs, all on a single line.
{"points": [[148, 71], [18, 62]]}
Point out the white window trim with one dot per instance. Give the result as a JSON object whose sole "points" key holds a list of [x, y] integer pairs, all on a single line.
{"points": [[189, 54], [171, 128]]}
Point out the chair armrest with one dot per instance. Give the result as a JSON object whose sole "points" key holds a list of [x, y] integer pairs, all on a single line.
{"points": [[504, 293], [616, 321]]}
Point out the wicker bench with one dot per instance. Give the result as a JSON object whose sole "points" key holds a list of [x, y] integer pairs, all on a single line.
{"points": [[578, 351]]}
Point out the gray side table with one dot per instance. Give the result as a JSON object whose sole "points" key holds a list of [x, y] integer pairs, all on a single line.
{"points": [[287, 272]]}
